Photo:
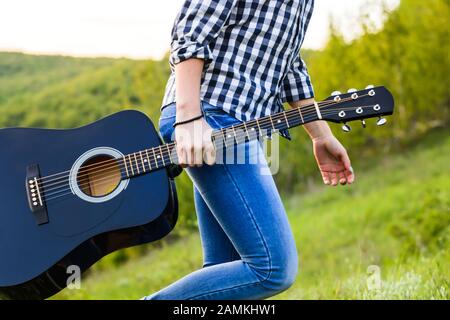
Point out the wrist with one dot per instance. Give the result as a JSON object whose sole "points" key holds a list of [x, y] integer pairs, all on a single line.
{"points": [[319, 130], [187, 110]]}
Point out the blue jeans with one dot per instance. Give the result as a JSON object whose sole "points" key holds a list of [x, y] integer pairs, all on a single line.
{"points": [[248, 248]]}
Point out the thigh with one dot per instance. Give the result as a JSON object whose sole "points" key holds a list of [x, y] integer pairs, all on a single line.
{"points": [[217, 247], [245, 201]]}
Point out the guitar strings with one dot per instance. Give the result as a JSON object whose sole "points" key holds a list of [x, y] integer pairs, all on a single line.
{"points": [[108, 179], [116, 162], [140, 165], [104, 180], [305, 109], [55, 195]]}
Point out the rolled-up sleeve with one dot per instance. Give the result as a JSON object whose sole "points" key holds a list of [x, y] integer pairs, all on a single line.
{"points": [[297, 83], [198, 23]]}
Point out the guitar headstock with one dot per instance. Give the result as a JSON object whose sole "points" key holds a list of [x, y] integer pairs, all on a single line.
{"points": [[372, 102]]}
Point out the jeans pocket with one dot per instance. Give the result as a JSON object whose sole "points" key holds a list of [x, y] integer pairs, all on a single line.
{"points": [[217, 118]]}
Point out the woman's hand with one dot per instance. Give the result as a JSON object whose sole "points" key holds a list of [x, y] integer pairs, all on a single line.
{"points": [[193, 144], [333, 161], [193, 139]]}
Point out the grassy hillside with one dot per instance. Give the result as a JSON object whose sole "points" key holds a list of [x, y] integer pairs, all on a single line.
{"points": [[397, 217]]}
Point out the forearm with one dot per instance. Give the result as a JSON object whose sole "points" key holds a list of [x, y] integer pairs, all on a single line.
{"points": [[317, 129], [188, 76]]}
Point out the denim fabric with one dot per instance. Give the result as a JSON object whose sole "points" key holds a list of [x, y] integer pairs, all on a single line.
{"points": [[248, 248]]}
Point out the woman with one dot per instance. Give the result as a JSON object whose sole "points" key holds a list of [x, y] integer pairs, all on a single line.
{"points": [[232, 61]]}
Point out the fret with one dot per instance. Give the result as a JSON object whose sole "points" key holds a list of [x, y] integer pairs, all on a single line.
{"points": [[170, 153], [148, 159], [285, 117], [246, 131], [124, 159], [222, 131], [162, 156], [131, 163], [137, 164], [259, 128], [271, 121], [235, 136], [142, 159], [301, 115], [154, 156]]}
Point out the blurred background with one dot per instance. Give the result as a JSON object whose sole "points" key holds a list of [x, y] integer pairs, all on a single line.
{"points": [[65, 64]]}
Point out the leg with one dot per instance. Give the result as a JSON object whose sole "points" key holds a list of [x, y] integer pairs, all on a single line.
{"points": [[248, 208], [217, 247]]}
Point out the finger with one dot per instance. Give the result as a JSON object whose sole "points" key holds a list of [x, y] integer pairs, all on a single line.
{"points": [[334, 179], [210, 155], [198, 156], [181, 157], [342, 178], [326, 178], [190, 156], [350, 175]]}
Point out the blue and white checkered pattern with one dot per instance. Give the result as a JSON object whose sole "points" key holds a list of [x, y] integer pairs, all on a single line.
{"points": [[251, 51]]}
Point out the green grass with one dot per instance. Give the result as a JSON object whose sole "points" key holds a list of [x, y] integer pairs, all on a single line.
{"points": [[396, 217]]}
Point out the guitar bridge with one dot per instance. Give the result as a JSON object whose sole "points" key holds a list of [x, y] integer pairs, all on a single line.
{"points": [[35, 194]]}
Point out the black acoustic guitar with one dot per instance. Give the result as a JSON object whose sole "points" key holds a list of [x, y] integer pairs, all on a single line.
{"points": [[69, 197]]}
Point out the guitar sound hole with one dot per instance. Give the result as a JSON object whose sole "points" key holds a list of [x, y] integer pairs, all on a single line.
{"points": [[99, 176]]}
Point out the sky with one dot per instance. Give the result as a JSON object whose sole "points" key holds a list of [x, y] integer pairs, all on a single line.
{"points": [[137, 28]]}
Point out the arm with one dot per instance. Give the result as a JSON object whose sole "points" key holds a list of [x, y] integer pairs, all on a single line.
{"points": [[332, 158], [194, 138], [198, 23]]}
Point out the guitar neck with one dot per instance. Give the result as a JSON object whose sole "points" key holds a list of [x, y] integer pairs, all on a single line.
{"points": [[149, 160]]}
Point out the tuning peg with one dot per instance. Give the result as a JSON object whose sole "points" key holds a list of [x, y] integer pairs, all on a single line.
{"points": [[346, 128], [381, 121], [336, 93], [363, 123], [370, 86], [351, 90]]}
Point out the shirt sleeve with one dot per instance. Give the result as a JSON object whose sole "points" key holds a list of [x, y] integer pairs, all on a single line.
{"points": [[297, 83], [198, 23]]}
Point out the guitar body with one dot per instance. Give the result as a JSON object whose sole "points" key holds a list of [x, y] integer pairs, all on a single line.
{"points": [[34, 257]]}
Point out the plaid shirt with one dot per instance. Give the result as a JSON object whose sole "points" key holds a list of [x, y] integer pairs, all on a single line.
{"points": [[251, 50]]}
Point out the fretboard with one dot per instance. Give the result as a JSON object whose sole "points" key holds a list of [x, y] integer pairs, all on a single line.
{"points": [[149, 160]]}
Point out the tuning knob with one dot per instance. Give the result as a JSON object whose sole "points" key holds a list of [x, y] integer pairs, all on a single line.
{"points": [[370, 86], [381, 121], [346, 128], [363, 123], [336, 93], [351, 90]]}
